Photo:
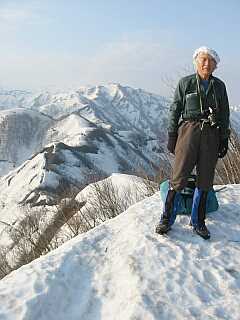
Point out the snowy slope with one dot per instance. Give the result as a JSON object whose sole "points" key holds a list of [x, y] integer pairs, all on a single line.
{"points": [[21, 133], [123, 270], [33, 185], [124, 190]]}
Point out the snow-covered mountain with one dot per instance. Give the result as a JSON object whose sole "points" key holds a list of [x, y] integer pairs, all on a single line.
{"points": [[123, 270], [55, 142], [29, 122], [128, 117]]}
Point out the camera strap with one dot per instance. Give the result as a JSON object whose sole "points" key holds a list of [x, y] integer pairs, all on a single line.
{"points": [[199, 93], [200, 96], [215, 96]]}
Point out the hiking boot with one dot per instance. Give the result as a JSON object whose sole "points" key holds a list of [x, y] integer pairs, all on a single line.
{"points": [[163, 227], [198, 214], [202, 231]]}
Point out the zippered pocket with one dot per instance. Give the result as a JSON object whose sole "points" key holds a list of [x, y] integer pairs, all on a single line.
{"points": [[191, 94]]}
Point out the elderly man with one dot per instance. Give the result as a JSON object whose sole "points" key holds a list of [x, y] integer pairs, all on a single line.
{"points": [[198, 135]]}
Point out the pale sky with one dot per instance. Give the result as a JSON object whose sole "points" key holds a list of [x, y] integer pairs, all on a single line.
{"points": [[63, 44]]}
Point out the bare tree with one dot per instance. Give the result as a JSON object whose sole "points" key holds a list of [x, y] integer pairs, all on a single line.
{"points": [[150, 183], [4, 265], [104, 201], [34, 235], [171, 81], [228, 169]]}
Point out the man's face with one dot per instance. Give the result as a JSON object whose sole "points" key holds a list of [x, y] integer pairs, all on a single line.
{"points": [[205, 65]]}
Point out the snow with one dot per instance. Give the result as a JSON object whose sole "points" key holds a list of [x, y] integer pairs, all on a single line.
{"points": [[105, 159], [20, 185], [72, 130], [19, 177], [123, 270], [123, 184], [50, 179], [20, 131]]}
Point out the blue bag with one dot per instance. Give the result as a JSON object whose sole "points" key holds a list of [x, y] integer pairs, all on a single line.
{"points": [[185, 202]]}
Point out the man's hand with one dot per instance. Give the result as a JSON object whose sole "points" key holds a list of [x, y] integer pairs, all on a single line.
{"points": [[172, 140], [223, 148]]}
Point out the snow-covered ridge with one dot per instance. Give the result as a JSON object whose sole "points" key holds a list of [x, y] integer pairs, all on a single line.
{"points": [[59, 103], [123, 270]]}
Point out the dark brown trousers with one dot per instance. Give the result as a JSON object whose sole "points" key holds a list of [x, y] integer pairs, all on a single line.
{"points": [[197, 145]]}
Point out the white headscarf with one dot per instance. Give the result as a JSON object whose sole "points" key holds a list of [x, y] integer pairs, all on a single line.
{"points": [[207, 50]]}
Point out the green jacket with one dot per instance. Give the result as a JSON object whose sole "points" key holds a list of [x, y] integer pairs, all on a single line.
{"points": [[190, 101]]}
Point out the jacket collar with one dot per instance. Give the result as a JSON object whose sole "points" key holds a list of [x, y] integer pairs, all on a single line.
{"points": [[211, 80], [211, 77]]}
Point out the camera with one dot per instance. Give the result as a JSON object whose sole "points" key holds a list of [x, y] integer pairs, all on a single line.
{"points": [[212, 117]]}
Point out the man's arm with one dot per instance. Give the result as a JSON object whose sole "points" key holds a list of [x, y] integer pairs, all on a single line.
{"points": [[224, 116], [224, 125], [176, 109], [174, 115]]}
